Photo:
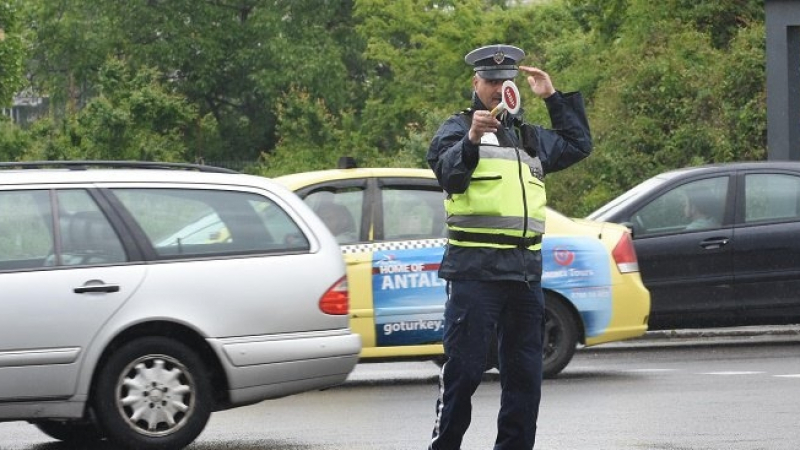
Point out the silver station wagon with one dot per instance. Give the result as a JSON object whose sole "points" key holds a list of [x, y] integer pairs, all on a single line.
{"points": [[123, 317]]}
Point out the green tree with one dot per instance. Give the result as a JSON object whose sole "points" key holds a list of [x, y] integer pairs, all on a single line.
{"points": [[742, 96], [70, 41], [601, 17], [417, 49], [11, 53], [133, 117], [297, 83], [235, 61], [666, 95], [232, 61], [311, 137], [13, 141]]}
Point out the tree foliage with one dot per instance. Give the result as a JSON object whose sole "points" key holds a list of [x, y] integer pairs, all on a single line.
{"points": [[133, 117], [69, 41], [667, 96], [235, 60], [11, 53], [292, 85]]}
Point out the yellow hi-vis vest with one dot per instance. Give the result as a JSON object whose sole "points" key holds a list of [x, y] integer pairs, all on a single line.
{"points": [[504, 205]]}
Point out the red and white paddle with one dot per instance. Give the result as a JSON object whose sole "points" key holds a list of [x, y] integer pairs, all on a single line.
{"points": [[511, 100]]}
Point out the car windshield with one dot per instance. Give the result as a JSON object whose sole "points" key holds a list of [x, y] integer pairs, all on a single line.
{"points": [[603, 213]]}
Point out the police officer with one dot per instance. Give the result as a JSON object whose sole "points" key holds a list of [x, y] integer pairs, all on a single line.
{"points": [[492, 170]]}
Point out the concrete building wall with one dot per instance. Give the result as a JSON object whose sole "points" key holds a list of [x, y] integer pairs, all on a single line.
{"points": [[783, 79]]}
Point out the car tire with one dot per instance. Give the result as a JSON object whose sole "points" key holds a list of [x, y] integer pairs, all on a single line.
{"points": [[560, 336], [76, 433], [153, 393]]}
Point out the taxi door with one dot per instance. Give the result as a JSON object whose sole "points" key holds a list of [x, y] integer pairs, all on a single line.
{"points": [[408, 244], [396, 298]]}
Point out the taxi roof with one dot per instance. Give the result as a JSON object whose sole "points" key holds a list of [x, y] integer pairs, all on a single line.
{"points": [[297, 180]]}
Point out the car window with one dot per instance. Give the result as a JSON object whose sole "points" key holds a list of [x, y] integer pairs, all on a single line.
{"points": [[410, 213], [28, 239], [771, 197], [341, 210], [87, 236], [610, 208], [692, 206], [26, 224], [197, 222]]}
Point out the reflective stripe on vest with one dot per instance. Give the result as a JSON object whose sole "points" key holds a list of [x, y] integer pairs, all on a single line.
{"points": [[504, 197], [504, 223]]}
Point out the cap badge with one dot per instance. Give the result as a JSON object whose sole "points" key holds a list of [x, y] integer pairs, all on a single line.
{"points": [[499, 57]]}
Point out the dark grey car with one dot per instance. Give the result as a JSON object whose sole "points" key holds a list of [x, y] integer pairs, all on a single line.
{"points": [[718, 245]]}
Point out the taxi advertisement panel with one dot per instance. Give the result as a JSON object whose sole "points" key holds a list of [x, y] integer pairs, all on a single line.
{"points": [[409, 297]]}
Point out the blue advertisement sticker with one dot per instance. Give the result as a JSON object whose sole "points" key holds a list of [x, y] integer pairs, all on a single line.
{"points": [[577, 267], [408, 296]]}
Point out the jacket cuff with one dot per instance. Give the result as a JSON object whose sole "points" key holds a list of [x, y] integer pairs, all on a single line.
{"points": [[469, 152]]}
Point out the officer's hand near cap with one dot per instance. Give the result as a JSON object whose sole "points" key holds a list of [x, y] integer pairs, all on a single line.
{"points": [[539, 81]]}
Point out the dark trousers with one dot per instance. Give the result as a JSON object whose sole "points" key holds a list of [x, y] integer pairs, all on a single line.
{"points": [[472, 311]]}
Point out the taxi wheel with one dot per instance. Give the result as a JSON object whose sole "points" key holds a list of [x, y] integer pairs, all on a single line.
{"points": [[560, 336]]}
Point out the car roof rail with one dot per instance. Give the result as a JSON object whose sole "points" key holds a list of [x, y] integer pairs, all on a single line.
{"points": [[86, 164]]}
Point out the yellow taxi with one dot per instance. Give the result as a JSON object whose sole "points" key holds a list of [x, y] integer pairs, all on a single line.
{"points": [[390, 223]]}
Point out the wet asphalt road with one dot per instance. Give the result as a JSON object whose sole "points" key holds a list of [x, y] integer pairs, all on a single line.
{"points": [[735, 392]]}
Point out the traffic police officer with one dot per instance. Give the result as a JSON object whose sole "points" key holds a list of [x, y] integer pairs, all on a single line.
{"points": [[492, 170]]}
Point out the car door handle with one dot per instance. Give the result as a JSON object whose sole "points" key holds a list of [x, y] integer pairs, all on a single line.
{"points": [[97, 288], [714, 243]]}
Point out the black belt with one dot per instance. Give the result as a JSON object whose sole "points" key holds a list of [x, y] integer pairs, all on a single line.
{"points": [[487, 238]]}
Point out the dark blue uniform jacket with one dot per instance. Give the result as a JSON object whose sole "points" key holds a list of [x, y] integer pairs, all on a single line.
{"points": [[453, 158]]}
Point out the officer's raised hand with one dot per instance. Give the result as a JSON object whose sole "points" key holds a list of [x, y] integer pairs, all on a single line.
{"points": [[539, 81]]}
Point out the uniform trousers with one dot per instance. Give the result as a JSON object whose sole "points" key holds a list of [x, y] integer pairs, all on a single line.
{"points": [[473, 311]]}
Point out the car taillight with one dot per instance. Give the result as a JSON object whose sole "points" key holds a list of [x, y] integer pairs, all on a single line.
{"points": [[624, 254], [336, 299]]}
